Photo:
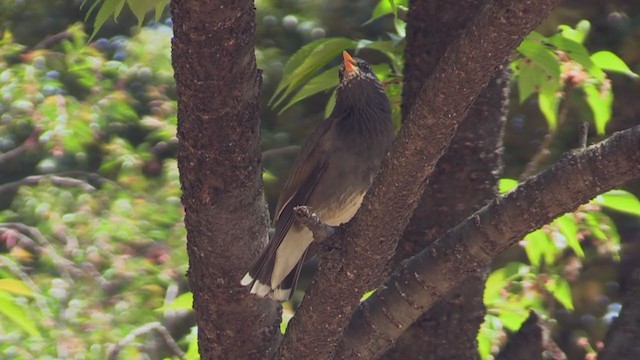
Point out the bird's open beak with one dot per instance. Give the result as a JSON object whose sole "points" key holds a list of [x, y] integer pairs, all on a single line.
{"points": [[349, 63]]}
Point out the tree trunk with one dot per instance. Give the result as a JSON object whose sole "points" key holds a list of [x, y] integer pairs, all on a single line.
{"points": [[464, 179], [220, 171]]}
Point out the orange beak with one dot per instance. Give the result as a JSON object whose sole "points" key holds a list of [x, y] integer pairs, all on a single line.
{"points": [[349, 63]]}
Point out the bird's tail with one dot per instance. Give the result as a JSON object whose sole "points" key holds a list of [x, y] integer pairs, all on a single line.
{"points": [[260, 272]]}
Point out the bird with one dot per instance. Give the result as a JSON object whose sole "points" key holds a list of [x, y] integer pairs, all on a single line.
{"points": [[331, 174]]}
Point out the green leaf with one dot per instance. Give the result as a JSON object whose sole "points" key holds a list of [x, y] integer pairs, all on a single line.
{"points": [[400, 26], [306, 61], [541, 56], [539, 247], [490, 330], [512, 317], [606, 60], [529, 79], [160, 6], [600, 102], [108, 8], [578, 34], [294, 62], [549, 101], [560, 289], [330, 104], [392, 49], [286, 317], [15, 287], [382, 8], [140, 8], [567, 226], [322, 82], [182, 302], [505, 185], [17, 315], [619, 200], [367, 295], [318, 58], [578, 53]]}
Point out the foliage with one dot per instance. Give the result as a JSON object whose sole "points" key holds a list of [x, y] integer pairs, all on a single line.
{"points": [[552, 65], [88, 243]]}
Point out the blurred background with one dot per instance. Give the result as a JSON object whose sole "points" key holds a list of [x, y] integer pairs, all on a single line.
{"points": [[92, 244]]}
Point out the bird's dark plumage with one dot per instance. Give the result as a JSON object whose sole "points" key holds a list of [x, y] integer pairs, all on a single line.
{"points": [[330, 175]]}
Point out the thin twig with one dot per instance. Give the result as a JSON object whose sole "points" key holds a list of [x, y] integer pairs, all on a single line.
{"points": [[64, 265], [320, 230], [56, 180], [30, 143], [145, 329], [52, 39], [583, 133]]}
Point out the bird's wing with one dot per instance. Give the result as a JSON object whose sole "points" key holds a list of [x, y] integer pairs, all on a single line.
{"points": [[307, 169]]}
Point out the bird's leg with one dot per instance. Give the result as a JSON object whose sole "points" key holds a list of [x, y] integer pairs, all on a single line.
{"points": [[308, 218]]}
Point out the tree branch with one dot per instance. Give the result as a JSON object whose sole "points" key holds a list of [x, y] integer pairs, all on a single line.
{"points": [[371, 236], [142, 330], [468, 247]]}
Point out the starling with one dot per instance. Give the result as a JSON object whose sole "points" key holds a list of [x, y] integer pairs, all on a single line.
{"points": [[331, 174]]}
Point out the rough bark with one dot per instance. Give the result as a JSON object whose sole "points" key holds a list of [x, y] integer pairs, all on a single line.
{"points": [[471, 246], [623, 339], [526, 343], [220, 172], [464, 179], [369, 239]]}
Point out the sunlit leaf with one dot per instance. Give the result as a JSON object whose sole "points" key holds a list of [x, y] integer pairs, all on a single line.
{"points": [[619, 200], [382, 8], [578, 53], [15, 287], [567, 226], [17, 315], [539, 247], [600, 102], [367, 295], [182, 302], [505, 185], [512, 316], [578, 34], [540, 55], [609, 61], [286, 317], [560, 289], [549, 101], [530, 79]]}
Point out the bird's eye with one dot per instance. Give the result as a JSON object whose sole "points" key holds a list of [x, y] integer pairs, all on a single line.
{"points": [[363, 66]]}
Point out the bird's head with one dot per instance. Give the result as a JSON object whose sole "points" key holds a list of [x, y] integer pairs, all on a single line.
{"points": [[358, 83]]}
